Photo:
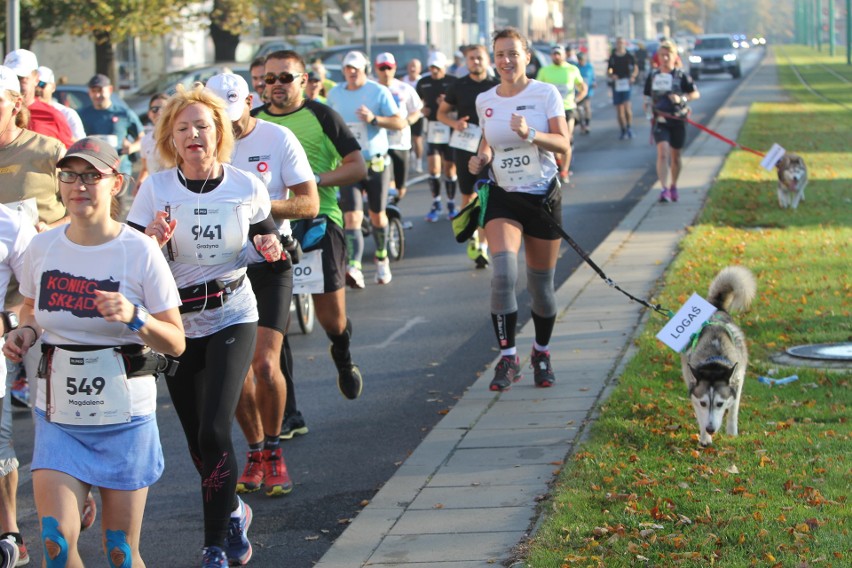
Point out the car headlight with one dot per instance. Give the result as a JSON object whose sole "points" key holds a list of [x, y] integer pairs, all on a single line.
{"points": [[730, 57], [695, 59]]}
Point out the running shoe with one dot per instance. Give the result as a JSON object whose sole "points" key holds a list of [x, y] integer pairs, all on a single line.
{"points": [[435, 213], [293, 425], [355, 278], [349, 379], [214, 557], [507, 371], [473, 247], [451, 210], [673, 192], [90, 512], [482, 260], [623, 134], [383, 271], [17, 542], [542, 371], [252, 477], [9, 554], [629, 133], [237, 545], [276, 478], [665, 196]]}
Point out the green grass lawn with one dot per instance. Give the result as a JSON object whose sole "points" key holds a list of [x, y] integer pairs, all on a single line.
{"points": [[641, 491]]}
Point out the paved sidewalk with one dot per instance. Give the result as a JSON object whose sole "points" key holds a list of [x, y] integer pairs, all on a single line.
{"points": [[468, 494]]}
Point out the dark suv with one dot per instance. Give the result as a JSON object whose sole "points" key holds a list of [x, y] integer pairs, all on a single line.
{"points": [[714, 53]]}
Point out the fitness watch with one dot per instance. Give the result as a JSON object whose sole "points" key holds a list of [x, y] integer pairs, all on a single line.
{"points": [[531, 135], [140, 317], [10, 321], [375, 121], [317, 179]]}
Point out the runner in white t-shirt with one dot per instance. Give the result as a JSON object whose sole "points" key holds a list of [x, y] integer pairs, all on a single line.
{"points": [[96, 292], [524, 125], [211, 220], [273, 154]]}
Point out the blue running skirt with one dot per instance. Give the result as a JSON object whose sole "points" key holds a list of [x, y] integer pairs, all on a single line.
{"points": [[119, 456]]}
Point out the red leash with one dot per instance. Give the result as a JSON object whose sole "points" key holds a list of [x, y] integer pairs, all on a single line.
{"points": [[711, 133]]}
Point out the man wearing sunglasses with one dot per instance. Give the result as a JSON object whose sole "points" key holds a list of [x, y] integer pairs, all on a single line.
{"points": [[370, 111], [399, 141], [44, 92], [335, 158]]}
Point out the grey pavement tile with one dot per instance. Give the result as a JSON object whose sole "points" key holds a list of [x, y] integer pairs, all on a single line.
{"points": [[360, 539], [463, 414], [508, 456], [442, 521], [536, 475], [475, 497], [482, 438], [543, 404], [402, 488], [570, 383], [434, 548], [435, 447], [526, 420]]}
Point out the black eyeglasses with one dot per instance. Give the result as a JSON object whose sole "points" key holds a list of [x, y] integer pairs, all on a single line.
{"points": [[88, 178], [384, 67], [283, 78], [41, 84], [154, 109]]}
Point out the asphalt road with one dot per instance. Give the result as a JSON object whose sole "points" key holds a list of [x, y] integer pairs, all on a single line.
{"points": [[420, 342]]}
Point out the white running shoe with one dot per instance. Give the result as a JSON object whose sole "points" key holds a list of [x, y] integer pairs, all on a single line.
{"points": [[355, 278], [383, 272]]}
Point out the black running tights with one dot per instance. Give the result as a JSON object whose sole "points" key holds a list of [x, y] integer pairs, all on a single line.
{"points": [[205, 391]]}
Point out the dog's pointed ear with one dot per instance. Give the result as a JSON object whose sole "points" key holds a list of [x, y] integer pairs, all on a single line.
{"points": [[730, 373], [692, 379]]}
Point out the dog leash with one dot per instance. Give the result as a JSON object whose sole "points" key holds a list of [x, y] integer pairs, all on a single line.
{"points": [[709, 131], [585, 256]]}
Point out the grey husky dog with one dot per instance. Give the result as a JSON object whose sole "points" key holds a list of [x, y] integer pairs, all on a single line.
{"points": [[792, 180], [714, 363]]}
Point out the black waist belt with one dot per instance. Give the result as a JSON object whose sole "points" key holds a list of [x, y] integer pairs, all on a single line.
{"points": [[139, 360], [208, 295]]}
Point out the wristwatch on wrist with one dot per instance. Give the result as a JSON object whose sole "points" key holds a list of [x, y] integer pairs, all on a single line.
{"points": [[375, 121], [10, 321], [140, 317], [531, 135]]}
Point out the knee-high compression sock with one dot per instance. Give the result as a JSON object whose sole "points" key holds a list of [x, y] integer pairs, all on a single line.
{"points": [[380, 235], [340, 343], [504, 303], [435, 186], [451, 184], [354, 246], [543, 300]]}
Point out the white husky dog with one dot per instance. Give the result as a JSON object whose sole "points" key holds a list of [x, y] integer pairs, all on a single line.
{"points": [[714, 363]]}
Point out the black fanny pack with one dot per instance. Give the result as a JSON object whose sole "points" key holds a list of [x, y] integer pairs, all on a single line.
{"points": [[139, 360], [207, 295]]}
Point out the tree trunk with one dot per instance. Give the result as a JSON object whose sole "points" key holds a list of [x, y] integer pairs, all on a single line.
{"points": [[105, 56], [224, 43]]}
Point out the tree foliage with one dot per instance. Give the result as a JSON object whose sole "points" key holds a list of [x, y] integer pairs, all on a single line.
{"points": [[238, 16]]}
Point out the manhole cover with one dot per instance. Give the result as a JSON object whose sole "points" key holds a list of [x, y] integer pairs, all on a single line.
{"points": [[823, 351]]}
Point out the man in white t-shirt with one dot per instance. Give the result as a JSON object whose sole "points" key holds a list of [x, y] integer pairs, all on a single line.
{"points": [[272, 153], [399, 141], [44, 91]]}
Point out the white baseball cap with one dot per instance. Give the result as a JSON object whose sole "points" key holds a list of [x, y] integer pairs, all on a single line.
{"points": [[46, 74], [22, 62], [355, 59], [385, 59], [9, 80], [232, 89], [438, 59]]}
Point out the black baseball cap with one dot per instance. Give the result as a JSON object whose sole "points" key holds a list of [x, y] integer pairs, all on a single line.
{"points": [[95, 151]]}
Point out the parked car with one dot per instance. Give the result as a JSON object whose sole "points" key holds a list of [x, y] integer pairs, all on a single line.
{"points": [[714, 53], [167, 82], [77, 96]]}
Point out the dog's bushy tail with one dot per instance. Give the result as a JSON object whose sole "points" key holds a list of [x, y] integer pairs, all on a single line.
{"points": [[733, 289]]}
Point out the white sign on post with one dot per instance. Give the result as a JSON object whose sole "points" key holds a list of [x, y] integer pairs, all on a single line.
{"points": [[688, 319], [772, 156]]}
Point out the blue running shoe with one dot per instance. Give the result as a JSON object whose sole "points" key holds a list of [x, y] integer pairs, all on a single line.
{"points": [[434, 213], [237, 543], [451, 210], [214, 557]]}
